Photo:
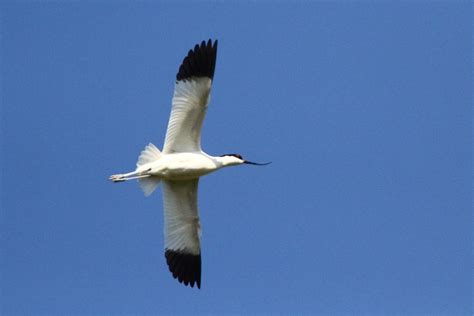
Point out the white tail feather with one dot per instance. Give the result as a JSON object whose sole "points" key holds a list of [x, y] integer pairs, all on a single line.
{"points": [[148, 184], [149, 154]]}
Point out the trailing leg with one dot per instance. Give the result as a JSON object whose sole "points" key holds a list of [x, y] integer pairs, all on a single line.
{"points": [[129, 176]]}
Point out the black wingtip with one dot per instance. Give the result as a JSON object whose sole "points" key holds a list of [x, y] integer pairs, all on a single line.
{"points": [[200, 61], [185, 267]]}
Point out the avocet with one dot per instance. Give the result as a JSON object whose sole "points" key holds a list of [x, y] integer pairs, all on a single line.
{"points": [[182, 162]]}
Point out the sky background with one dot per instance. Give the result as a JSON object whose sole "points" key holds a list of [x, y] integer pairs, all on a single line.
{"points": [[364, 109]]}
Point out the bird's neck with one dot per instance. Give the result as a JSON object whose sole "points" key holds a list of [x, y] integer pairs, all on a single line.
{"points": [[226, 161]]}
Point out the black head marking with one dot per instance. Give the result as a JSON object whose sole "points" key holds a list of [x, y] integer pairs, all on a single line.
{"points": [[234, 155]]}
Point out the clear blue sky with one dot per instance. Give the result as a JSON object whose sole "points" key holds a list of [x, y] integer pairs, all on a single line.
{"points": [[363, 107]]}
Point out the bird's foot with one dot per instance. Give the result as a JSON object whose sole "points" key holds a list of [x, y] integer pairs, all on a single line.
{"points": [[117, 178]]}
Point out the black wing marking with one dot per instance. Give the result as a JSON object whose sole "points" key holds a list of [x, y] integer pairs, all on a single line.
{"points": [[185, 267], [200, 62]]}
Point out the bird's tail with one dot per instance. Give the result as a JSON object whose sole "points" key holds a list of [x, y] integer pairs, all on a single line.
{"points": [[149, 154], [148, 183]]}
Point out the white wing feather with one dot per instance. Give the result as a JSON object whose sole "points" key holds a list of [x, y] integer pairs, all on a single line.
{"points": [[190, 101], [182, 227]]}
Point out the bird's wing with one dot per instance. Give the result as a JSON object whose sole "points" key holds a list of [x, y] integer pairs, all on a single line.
{"points": [[190, 99], [182, 230]]}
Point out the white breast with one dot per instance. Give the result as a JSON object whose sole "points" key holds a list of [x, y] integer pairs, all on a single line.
{"points": [[182, 166]]}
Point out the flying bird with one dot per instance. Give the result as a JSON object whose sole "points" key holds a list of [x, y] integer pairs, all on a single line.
{"points": [[182, 162]]}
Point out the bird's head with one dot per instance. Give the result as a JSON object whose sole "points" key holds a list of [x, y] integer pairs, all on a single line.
{"points": [[236, 159]]}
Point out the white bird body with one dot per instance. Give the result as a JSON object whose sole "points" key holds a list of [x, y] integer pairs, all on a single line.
{"points": [[182, 163], [186, 166]]}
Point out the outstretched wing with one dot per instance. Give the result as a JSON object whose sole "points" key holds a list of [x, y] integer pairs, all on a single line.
{"points": [[190, 100], [182, 231]]}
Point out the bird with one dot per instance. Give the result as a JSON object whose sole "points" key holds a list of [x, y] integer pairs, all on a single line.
{"points": [[181, 163]]}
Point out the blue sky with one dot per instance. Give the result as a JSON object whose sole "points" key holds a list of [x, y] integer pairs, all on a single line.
{"points": [[363, 107]]}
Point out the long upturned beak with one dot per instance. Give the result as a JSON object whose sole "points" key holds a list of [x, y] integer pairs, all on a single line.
{"points": [[256, 163]]}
